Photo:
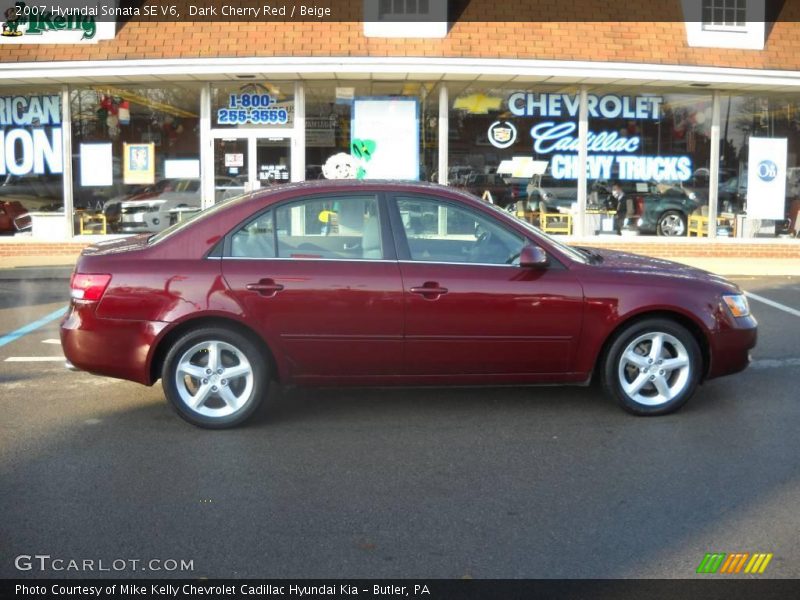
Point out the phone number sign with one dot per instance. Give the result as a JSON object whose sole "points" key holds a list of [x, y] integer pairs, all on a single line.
{"points": [[253, 109]]}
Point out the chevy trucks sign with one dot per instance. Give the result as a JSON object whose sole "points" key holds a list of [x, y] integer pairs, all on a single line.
{"points": [[611, 154]]}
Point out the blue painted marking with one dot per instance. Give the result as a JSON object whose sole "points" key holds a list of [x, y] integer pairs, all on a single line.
{"points": [[26, 329]]}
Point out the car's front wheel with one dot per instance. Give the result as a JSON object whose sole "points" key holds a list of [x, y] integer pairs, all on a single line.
{"points": [[652, 367], [671, 223], [215, 377]]}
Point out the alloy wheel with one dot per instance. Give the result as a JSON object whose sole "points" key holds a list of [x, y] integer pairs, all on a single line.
{"points": [[672, 225], [654, 368], [214, 378]]}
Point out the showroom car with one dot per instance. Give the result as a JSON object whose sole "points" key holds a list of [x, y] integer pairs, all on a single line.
{"points": [[153, 208], [663, 209], [654, 208], [399, 284]]}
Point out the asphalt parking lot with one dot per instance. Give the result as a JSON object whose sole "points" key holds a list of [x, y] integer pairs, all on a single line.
{"points": [[482, 483]]}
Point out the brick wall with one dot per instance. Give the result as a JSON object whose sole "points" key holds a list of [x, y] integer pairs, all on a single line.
{"points": [[646, 42], [44, 249], [705, 249]]}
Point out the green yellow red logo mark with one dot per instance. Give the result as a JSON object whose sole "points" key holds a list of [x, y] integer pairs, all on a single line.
{"points": [[733, 563]]}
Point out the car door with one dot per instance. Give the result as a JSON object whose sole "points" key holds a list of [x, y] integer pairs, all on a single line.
{"points": [[313, 275], [470, 309]]}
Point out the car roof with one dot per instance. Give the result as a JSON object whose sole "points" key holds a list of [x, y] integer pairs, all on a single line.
{"points": [[288, 191], [356, 183], [320, 186]]}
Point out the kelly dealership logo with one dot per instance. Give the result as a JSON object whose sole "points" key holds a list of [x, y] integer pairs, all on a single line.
{"points": [[22, 19]]}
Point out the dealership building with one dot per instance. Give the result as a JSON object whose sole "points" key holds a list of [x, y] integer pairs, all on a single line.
{"points": [[105, 121]]}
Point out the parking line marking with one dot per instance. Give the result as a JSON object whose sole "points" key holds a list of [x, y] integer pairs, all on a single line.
{"points": [[51, 341], [774, 363], [26, 329], [34, 359], [773, 304]]}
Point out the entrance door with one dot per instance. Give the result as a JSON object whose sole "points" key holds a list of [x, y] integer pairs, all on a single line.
{"points": [[231, 168], [247, 162], [272, 160]]}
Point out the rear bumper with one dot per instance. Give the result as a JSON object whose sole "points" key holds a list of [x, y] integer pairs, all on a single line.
{"points": [[111, 347], [730, 348]]}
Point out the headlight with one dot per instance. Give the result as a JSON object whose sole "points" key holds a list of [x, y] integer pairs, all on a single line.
{"points": [[737, 304]]}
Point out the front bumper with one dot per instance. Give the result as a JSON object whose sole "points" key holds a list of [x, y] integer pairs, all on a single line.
{"points": [[730, 348]]}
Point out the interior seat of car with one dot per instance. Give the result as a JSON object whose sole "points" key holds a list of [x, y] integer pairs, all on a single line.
{"points": [[371, 241]]}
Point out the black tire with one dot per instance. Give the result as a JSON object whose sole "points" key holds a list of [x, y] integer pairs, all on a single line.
{"points": [[672, 223], [222, 408], [639, 338]]}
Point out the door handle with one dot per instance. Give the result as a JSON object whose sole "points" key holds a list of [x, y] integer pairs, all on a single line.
{"points": [[265, 287], [430, 290]]}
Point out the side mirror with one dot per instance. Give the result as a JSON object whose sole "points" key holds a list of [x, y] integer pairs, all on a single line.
{"points": [[532, 256]]}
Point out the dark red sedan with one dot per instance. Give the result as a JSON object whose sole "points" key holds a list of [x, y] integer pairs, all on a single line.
{"points": [[376, 283]]}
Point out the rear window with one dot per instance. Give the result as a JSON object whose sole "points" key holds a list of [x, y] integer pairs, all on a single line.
{"points": [[198, 216]]}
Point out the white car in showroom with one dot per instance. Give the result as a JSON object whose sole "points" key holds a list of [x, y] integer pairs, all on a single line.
{"points": [[157, 212]]}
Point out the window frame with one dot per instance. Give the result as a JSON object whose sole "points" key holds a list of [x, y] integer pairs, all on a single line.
{"points": [[430, 24], [227, 253], [392, 15], [401, 239], [709, 6], [387, 239], [750, 35]]}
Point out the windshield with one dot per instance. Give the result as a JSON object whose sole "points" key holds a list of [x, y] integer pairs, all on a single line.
{"points": [[198, 216], [571, 252]]}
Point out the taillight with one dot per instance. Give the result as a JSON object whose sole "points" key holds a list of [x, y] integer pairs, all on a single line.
{"points": [[89, 286]]}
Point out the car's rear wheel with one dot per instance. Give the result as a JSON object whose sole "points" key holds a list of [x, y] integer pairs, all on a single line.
{"points": [[671, 223], [215, 377], [652, 367]]}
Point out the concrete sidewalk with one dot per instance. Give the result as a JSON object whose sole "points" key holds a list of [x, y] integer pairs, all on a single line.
{"points": [[743, 266]]}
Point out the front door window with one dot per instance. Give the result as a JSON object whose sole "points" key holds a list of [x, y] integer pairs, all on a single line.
{"points": [[470, 309], [441, 232]]}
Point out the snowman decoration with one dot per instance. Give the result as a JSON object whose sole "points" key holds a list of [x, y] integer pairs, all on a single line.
{"points": [[340, 166], [350, 166]]}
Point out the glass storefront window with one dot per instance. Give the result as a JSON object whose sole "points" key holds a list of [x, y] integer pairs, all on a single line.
{"points": [[136, 150], [372, 129], [136, 156], [655, 146], [31, 151], [492, 152], [760, 146], [518, 146]]}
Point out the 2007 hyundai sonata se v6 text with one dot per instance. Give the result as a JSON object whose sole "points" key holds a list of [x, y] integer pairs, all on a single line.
{"points": [[381, 283]]}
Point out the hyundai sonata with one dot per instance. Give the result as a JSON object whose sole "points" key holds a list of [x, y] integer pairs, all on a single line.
{"points": [[380, 283]]}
